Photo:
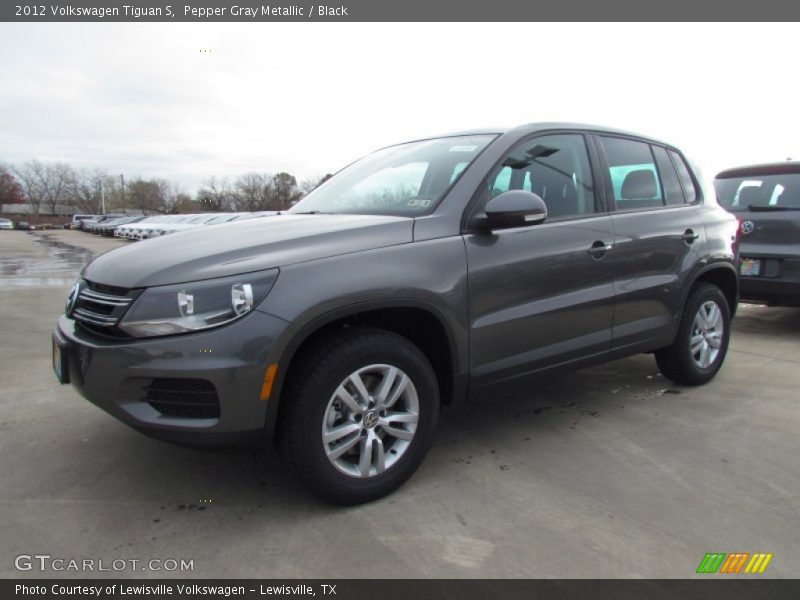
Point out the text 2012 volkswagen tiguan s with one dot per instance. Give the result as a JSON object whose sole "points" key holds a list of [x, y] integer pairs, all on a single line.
{"points": [[420, 275]]}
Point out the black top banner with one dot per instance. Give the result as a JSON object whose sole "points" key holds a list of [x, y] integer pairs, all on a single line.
{"points": [[248, 11]]}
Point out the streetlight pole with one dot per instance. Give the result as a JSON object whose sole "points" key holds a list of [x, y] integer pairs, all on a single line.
{"points": [[122, 183], [102, 196]]}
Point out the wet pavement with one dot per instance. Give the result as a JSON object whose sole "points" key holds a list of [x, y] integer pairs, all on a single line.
{"points": [[608, 472], [58, 264]]}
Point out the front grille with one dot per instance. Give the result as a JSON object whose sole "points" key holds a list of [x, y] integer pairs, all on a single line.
{"points": [[187, 398], [101, 307]]}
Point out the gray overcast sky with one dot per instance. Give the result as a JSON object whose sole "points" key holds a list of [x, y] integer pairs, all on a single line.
{"points": [[307, 98]]}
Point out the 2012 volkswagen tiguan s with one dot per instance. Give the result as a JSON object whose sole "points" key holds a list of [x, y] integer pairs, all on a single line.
{"points": [[419, 276]]}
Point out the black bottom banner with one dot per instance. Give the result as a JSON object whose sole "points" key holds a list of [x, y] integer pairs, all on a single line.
{"points": [[400, 589]]}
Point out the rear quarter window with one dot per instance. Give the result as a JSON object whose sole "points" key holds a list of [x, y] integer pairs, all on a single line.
{"points": [[689, 189], [673, 189]]}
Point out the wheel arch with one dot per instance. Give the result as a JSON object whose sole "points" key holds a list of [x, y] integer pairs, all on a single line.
{"points": [[724, 276], [419, 321]]}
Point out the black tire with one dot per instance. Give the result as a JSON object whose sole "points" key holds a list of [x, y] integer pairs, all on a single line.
{"points": [[677, 361], [316, 376]]}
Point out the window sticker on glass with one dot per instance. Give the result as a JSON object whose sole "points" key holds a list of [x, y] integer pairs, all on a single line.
{"points": [[463, 148], [419, 203]]}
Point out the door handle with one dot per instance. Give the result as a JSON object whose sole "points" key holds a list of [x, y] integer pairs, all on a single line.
{"points": [[689, 236], [599, 249]]}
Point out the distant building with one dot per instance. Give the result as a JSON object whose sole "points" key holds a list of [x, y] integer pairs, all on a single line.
{"points": [[28, 209]]}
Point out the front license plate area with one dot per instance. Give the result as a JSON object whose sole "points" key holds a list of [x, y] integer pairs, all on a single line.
{"points": [[750, 267], [60, 362]]}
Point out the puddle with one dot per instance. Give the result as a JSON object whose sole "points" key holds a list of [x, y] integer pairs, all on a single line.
{"points": [[60, 267]]}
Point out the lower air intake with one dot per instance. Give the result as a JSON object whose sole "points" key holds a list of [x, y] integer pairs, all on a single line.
{"points": [[185, 398]]}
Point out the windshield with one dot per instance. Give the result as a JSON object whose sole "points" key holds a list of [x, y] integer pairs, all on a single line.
{"points": [[404, 180], [761, 191]]}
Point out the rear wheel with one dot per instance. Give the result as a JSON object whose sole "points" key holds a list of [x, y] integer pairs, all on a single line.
{"points": [[702, 341], [361, 410]]}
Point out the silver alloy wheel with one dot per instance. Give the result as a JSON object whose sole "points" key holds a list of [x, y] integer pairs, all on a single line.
{"points": [[370, 420], [708, 329]]}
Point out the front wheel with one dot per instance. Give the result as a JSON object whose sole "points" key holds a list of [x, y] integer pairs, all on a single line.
{"points": [[702, 341], [361, 410]]}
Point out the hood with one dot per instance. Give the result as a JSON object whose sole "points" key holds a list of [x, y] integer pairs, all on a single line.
{"points": [[244, 246]]}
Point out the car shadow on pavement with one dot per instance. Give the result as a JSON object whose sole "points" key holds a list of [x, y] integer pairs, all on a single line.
{"points": [[187, 479]]}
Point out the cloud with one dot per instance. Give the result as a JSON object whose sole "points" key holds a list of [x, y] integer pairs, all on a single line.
{"points": [[310, 97]]}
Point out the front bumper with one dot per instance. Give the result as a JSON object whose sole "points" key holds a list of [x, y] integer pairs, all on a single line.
{"points": [[113, 374]]}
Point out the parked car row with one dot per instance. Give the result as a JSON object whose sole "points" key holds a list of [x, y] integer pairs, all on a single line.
{"points": [[87, 222], [144, 227], [8, 225]]}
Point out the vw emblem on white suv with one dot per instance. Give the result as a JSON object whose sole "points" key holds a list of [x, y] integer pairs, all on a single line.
{"points": [[747, 227]]}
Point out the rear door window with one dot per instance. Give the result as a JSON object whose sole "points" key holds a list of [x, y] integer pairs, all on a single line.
{"points": [[632, 170]]}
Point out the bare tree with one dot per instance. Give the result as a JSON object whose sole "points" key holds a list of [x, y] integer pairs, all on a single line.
{"points": [[184, 203], [254, 191], [144, 195], [28, 175], [305, 187], [170, 197], [52, 185], [284, 191], [88, 188], [217, 195], [156, 196], [55, 182]]}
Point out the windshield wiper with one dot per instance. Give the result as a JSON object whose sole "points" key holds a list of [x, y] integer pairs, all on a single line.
{"points": [[755, 208], [310, 212]]}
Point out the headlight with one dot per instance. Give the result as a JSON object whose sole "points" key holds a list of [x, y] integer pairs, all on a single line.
{"points": [[186, 307]]}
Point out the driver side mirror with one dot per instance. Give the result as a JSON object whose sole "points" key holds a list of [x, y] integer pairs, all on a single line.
{"points": [[514, 208]]}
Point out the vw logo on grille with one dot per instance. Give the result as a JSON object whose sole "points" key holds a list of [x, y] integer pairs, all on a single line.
{"points": [[73, 297], [747, 227], [370, 419]]}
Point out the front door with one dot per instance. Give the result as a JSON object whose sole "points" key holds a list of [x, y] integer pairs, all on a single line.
{"points": [[542, 295]]}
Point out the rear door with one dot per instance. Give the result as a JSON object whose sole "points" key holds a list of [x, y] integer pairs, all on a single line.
{"points": [[541, 295], [658, 235]]}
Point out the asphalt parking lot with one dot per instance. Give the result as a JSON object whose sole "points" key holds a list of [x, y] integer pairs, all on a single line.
{"points": [[608, 472]]}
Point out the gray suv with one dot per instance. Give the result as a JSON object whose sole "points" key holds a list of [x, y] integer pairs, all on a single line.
{"points": [[419, 276], [766, 200]]}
